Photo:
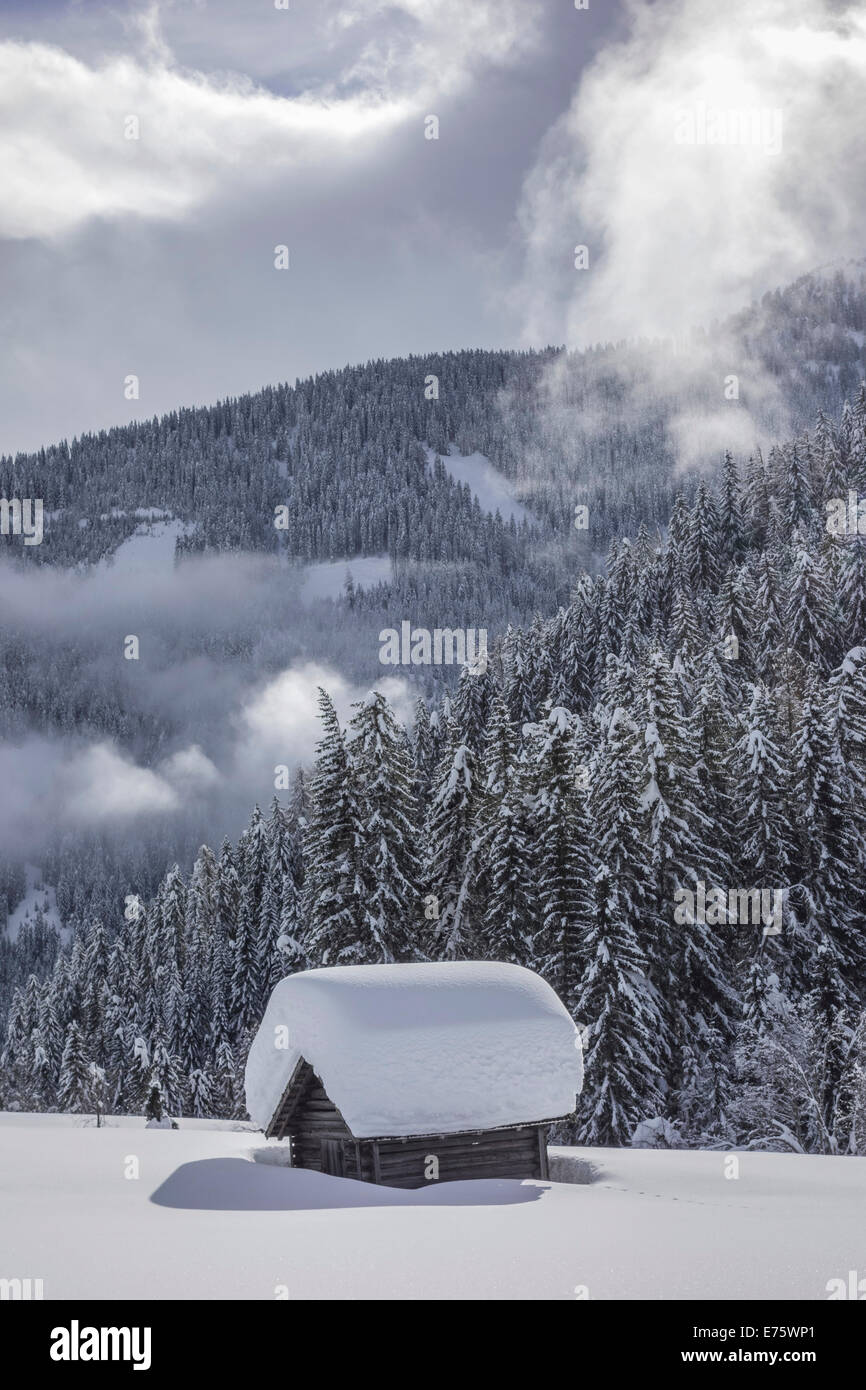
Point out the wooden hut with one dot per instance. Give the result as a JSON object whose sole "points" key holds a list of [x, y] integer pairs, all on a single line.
{"points": [[409, 1074]]}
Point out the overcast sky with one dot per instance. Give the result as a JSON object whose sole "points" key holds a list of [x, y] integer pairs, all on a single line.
{"points": [[261, 126]]}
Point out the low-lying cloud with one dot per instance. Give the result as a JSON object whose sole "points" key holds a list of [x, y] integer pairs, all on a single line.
{"points": [[225, 692]]}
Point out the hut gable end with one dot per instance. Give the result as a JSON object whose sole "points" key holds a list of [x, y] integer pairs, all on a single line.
{"points": [[306, 1107]]}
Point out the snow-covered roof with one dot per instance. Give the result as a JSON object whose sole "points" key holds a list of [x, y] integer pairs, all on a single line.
{"points": [[420, 1049]]}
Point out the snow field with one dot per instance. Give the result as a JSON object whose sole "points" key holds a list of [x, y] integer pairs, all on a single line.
{"points": [[205, 1219]]}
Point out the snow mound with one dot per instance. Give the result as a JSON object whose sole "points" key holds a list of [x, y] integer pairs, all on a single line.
{"points": [[657, 1133], [420, 1049]]}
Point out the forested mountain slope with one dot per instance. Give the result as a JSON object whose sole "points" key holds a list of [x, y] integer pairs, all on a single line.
{"points": [[693, 720]]}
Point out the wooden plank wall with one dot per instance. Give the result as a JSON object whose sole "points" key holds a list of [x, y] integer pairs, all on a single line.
{"points": [[492, 1153], [517, 1152]]}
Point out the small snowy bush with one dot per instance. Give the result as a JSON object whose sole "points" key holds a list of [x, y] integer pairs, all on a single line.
{"points": [[657, 1133]]}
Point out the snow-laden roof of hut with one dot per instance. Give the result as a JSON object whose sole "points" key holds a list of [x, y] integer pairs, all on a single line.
{"points": [[420, 1049]]}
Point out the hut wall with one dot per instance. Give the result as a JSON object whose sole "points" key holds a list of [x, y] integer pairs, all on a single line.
{"points": [[322, 1141], [518, 1152]]}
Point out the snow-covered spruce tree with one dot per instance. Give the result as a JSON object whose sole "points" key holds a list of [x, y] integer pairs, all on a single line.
{"points": [[518, 686], [228, 1084], [471, 706], [52, 1039], [14, 1058], [269, 957], [736, 619], [228, 889], [644, 615], [579, 643], [200, 1093], [618, 686], [40, 1077], [296, 817], [290, 949], [386, 837], [711, 734], [793, 484], [827, 898], [689, 963], [769, 610], [74, 1087], [446, 877], [703, 546], [423, 752], [137, 1077], [245, 988], [202, 897], [731, 524], [278, 832], [155, 1103], [852, 595], [540, 662], [615, 1001], [847, 712], [759, 792], [855, 1089], [772, 1069], [830, 848], [198, 1018], [332, 903], [808, 610], [167, 1074], [171, 906], [96, 957], [616, 597], [254, 855], [684, 639], [500, 846], [561, 855]]}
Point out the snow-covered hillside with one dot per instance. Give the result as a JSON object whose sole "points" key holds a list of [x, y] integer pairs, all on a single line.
{"points": [[208, 1211], [327, 578], [150, 549], [39, 898], [494, 491]]}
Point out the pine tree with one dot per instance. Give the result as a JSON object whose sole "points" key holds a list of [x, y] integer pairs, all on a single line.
{"points": [[562, 855], [333, 905], [471, 706], [245, 990], [200, 1089], [227, 1084], [447, 874], [423, 750], [501, 848], [686, 962], [852, 597], [731, 510], [615, 1001], [830, 843], [703, 545], [74, 1087], [386, 836], [808, 610]]}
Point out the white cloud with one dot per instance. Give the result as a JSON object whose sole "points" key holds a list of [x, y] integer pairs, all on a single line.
{"points": [[100, 784], [190, 770], [64, 157], [280, 722], [680, 233], [52, 783], [419, 46], [64, 153]]}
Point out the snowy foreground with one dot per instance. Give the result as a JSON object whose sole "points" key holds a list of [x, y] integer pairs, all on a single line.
{"points": [[212, 1214]]}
